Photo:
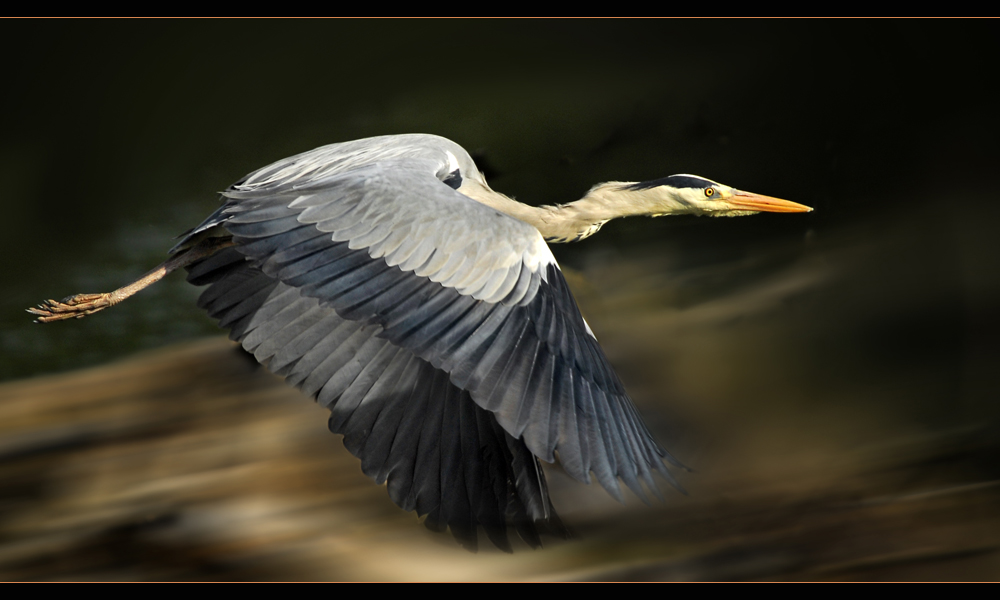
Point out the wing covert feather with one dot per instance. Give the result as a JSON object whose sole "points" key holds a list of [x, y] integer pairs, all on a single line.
{"points": [[395, 410], [378, 239]]}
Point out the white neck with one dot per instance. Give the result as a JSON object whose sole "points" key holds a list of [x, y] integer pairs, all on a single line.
{"points": [[578, 220]]}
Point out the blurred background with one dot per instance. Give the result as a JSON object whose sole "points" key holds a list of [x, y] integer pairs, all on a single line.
{"points": [[831, 377]]}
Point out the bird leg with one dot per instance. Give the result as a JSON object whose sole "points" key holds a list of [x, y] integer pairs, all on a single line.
{"points": [[81, 305]]}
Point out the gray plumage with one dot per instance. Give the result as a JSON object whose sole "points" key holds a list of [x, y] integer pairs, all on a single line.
{"points": [[386, 279], [418, 315]]}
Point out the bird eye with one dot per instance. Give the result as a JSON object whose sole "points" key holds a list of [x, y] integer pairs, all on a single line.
{"points": [[709, 192]]}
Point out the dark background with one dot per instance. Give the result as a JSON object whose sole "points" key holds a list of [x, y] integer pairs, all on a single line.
{"points": [[763, 350]]}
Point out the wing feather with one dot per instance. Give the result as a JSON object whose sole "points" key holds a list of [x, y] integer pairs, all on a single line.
{"points": [[398, 266], [395, 410]]}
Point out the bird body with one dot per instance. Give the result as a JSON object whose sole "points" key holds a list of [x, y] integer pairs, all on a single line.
{"points": [[385, 278]]}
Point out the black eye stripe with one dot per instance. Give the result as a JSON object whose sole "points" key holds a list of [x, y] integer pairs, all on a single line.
{"points": [[676, 181]]}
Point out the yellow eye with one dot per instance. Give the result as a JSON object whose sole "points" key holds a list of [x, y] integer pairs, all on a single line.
{"points": [[709, 192]]}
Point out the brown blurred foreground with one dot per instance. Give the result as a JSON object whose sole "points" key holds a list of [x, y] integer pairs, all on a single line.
{"points": [[192, 463]]}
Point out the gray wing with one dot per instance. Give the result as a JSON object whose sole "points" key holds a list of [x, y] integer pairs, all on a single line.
{"points": [[410, 426], [372, 230]]}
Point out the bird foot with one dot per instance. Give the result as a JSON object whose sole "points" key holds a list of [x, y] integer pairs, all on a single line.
{"points": [[73, 307]]}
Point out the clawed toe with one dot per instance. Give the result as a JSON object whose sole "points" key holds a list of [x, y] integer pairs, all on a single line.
{"points": [[73, 307], [81, 299]]}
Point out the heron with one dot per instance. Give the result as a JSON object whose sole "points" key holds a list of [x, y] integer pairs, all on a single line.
{"points": [[384, 278]]}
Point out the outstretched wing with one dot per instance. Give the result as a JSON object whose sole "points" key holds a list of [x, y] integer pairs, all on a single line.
{"points": [[374, 230], [410, 426]]}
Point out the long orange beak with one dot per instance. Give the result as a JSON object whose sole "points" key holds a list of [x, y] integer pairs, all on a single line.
{"points": [[749, 201]]}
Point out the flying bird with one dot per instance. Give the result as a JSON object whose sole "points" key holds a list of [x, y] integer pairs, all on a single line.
{"points": [[386, 279]]}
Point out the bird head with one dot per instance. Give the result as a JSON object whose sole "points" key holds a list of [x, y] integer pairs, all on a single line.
{"points": [[690, 194]]}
